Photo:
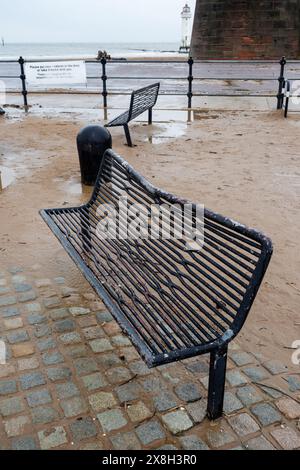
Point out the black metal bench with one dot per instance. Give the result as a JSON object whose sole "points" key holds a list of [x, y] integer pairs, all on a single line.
{"points": [[173, 302], [142, 100]]}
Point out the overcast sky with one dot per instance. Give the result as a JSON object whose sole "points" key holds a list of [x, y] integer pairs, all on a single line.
{"points": [[91, 20]]}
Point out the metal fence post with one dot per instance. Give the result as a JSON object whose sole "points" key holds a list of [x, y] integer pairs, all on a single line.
{"points": [[190, 80], [23, 80], [287, 97], [104, 80], [281, 80]]}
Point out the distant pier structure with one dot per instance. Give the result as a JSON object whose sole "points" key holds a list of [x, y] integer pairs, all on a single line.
{"points": [[186, 29], [246, 29]]}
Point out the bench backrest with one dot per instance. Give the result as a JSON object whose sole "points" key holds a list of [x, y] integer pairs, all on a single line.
{"points": [[161, 278], [143, 99]]}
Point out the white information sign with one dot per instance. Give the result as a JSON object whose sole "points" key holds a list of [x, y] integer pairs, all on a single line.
{"points": [[2, 93], [56, 73]]}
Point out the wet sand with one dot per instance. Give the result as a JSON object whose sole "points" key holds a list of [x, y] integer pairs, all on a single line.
{"points": [[242, 164]]}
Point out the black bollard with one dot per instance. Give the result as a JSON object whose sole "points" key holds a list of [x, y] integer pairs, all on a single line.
{"points": [[92, 142]]}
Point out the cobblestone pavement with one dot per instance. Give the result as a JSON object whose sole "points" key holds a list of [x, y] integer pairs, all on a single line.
{"points": [[72, 380]]}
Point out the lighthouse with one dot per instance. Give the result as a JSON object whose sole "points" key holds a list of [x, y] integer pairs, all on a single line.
{"points": [[186, 17]]}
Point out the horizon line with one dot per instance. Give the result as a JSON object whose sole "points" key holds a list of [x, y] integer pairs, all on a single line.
{"points": [[89, 42]]}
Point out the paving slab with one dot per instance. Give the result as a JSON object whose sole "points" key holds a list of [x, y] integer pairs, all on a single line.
{"points": [[73, 380]]}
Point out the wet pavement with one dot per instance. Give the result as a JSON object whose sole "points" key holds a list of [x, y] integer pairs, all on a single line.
{"points": [[72, 380]]}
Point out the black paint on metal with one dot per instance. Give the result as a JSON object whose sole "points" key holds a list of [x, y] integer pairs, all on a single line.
{"points": [[23, 80], [216, 386], [280, 95], [127, 135], [104, 82], [141, 100], [92, 143], [172, 302], [190, 81]]}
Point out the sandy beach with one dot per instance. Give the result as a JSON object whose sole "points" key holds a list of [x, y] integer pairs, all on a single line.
{"points": [[241, 164]]}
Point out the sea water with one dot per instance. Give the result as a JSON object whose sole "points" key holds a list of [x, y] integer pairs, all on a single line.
{"points": [[116, 50]]}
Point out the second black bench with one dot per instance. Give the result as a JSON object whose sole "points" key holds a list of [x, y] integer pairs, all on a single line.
{"points": [[142, 100]]}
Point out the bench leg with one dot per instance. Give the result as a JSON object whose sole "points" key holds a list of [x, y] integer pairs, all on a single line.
{"points": [[216, 388], [150, 116], [127, 133], [286, 107]]}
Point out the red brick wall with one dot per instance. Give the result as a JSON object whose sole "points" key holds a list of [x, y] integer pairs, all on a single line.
{"points": [[246, 29]]}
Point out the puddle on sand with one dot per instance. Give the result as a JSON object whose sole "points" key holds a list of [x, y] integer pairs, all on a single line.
{"points": [[7, 176], [73, 186], [164, 132]]}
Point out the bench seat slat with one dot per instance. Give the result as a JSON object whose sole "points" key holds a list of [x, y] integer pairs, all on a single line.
{"points": [[119, 120], [208, 326], [167, 246], [206, 256]]}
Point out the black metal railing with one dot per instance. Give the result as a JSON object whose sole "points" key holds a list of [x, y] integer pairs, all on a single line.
{"points": [[192, 77]]}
